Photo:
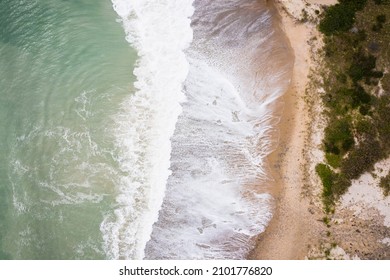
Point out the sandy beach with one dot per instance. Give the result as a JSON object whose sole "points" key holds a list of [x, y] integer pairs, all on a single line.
{"points": [[359, 228], [296, 223]]}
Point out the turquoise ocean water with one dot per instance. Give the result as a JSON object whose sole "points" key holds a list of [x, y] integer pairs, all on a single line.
{"points": [[65, 67]]}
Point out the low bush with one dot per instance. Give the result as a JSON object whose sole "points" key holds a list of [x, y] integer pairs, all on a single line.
{"points": [[385, 184], [327, 177], [382, 121], [333, 160], [381, 18], [377, 27], [360, 96], [364, 110], [340, 17], [337, 18], [355, 5], [362, 66], [362, 158], [340, 185], [338, 137]]}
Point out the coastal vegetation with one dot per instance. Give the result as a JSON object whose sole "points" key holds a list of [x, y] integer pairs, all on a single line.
{"points": [[340, 17], [356, 94], [385, 184]]}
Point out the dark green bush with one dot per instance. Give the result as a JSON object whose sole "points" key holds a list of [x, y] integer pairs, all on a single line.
{"points": [[340, 102], [360, 96], [333, 160], [327, 177], [362, 158], [338, 137], [351, 97], [355, 5], [364, 110], [340, 17], [381, 18], [377, 27], [385, 184], [377, 74], [361, 66], [360, 36], [340, 185], [382, 121], [342, 78], [333, 185], [365, 127], [337, 18]]}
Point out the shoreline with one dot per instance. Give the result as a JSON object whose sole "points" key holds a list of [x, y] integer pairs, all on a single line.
{"points": [[300, 229], [296, 224]]}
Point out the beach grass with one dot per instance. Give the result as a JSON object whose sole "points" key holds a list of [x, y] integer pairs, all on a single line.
{"points": [[357, 93]]}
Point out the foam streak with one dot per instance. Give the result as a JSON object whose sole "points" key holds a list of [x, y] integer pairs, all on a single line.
{"points": [[160, 31]]}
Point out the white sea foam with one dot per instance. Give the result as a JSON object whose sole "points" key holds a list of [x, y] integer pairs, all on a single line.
{"points": [[214, 137], [216, 199], [211, 210], [160, 31]]}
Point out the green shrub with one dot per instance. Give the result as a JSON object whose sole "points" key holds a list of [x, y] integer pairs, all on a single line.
{"points": [[333, 160], [360, 96], [345, 97], [365, 127], [327, 178], [333, 185], [381, 18], [342, 78], [362, 158], [355, 5], [338, 137], [377, 27], [337, 18], [382, 121], [377, 74], [351, 97], [361, 66], [340, 185], [364, 110], [340, 17], [385, 184], [360, 36]]}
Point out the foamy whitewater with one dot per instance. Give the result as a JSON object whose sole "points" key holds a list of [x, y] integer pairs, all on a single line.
{"points": [[159, 31], [195, 134]]}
